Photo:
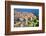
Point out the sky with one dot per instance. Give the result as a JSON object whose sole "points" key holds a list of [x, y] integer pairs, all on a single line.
{"points": [[34, 11]]}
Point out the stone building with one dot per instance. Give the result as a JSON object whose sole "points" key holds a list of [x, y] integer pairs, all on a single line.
{"points": [[22, 16]]}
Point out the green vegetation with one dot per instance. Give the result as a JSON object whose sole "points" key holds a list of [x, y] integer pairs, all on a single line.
{"points": [[34, 22]]}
